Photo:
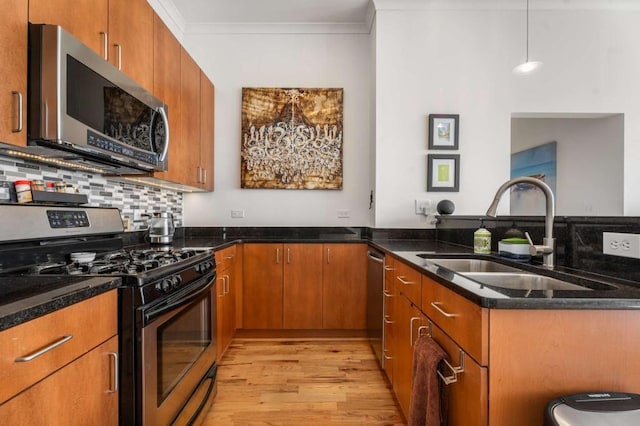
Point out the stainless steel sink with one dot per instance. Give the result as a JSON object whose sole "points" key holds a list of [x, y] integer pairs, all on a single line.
{"points": [[523, 281], [471, 265]]}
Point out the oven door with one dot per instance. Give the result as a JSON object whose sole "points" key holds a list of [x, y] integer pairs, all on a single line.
{"points": [[178, 352]]}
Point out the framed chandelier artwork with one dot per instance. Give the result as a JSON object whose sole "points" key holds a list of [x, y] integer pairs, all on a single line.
{"points": [[292, 138]]}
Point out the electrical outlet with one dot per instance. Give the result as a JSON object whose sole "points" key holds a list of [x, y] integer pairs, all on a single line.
{"points": [[343, 214], [423, 207], [621, 244], [237, 214]]}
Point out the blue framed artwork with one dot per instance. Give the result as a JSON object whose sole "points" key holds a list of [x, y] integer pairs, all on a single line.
{"points": [[538, 162]]}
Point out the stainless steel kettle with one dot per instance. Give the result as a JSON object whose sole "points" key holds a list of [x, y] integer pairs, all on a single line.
{"points": [[161, 228]]}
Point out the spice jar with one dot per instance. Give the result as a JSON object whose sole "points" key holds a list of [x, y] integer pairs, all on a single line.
{"points": [[23, 191], [50, 187], [37, 185], [61, 186], [7, 192]]}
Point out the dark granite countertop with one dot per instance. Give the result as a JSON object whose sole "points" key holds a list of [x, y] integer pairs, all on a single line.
{"points": [[23, 298]]}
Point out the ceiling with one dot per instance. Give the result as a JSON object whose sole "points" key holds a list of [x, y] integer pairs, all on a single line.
{"points": [[273, 11]]}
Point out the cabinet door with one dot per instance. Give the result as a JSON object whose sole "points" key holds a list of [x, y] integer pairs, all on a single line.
{"points": [[132, 50], [262, 289], [303, 286], [85, 19], [388, 337], [13, 69], [468, 395], [166, 86], [82, 393], [344, 286], [221, 313], [408, 321], [207, 110], [188, 157]]}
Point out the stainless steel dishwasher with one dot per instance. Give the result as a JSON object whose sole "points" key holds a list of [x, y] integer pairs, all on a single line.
{"points": [[375, 309]]}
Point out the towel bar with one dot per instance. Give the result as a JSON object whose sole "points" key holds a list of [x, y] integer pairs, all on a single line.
{"points": [[456, 370]]}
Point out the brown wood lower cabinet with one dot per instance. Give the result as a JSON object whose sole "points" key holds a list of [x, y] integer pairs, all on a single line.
{"points": [[226, 297], [74, 381], [304, 286], [389, 317]]}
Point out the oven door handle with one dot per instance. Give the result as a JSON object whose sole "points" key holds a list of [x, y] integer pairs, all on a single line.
{"points": [[180, 299]]}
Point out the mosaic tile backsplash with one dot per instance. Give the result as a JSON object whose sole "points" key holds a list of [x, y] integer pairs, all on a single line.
{"points": [[132, 200]]}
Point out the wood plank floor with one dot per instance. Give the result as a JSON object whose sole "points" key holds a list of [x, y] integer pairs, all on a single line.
{"points": [[302, 382]]}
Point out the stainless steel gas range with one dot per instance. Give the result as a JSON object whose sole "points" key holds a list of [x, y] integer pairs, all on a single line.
{"points": [[167, 303]]}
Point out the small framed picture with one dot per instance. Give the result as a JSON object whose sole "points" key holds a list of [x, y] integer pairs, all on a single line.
{"points": [[443, 172], [443, 131]]}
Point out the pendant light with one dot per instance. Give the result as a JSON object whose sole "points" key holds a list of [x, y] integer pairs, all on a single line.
{"points": [[527, 67]]}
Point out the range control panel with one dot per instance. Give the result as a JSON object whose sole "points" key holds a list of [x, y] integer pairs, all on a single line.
{"points": [[67, 219]]}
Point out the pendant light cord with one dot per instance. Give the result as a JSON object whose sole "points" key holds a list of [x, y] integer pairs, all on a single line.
{"points": [[527, 48]]}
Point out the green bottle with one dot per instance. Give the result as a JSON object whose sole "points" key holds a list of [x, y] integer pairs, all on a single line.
{"points": [[482, 240]]}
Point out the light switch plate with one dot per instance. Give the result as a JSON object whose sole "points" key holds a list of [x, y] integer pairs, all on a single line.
{"points": [[621, 244], [237, 214]]}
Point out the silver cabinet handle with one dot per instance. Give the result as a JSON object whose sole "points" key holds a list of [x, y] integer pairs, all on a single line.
{"points": [[204, 175], [30, 357], [328, 255], [116, 365], [105, 44], [222, 286], [384, 354], [119, 50], [436, 305], [388, 268], [288, 255], [387, 320], [277, 255], [387, 294], [199, 174], [18, 128], [375, 259], [229, 257], [227, 286], [455, 370], [411, 329], [400, 278]]}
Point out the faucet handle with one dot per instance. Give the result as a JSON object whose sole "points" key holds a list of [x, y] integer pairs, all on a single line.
{"points": [[537, 250]]}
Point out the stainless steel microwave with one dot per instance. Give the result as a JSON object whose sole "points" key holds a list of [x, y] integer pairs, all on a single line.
{"points": [[80, 104]]}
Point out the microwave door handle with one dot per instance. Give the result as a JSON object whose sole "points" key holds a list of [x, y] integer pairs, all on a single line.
{"points": [[163, 113]]}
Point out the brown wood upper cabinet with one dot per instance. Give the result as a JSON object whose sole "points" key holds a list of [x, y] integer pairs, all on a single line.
{"points": [[107, 27], [132, 50], [226, 297], [13, 69]]}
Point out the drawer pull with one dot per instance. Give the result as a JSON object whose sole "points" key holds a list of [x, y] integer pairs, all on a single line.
{"points": [[426, 328], [388, 268], [116, 383], [229, 257], [277, 256], [387, 294], [60, 341], [443, 312], [387, 320], [18, 127], [455, 370], [384, 354], [400, 278]]}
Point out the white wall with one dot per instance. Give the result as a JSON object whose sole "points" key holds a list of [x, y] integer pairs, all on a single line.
{"points": [[433, 60], [234, 61], [590, 159]]}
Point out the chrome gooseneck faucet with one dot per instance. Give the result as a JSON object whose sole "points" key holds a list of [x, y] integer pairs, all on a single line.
{"points": [[548, 243]]}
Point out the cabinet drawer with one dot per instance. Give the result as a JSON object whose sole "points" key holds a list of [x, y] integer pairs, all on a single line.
{"points": [[407, 280], [89, 323], [463, 320], [225, 258], [468, 395]]}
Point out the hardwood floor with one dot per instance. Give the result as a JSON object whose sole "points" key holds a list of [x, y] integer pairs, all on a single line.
{"points": [[302, 382]]}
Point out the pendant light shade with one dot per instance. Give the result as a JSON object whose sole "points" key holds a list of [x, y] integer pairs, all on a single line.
{"points": [[527, 67]]}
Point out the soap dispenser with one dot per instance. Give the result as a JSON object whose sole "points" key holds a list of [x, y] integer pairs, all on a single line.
{"points": [[482, 240]]}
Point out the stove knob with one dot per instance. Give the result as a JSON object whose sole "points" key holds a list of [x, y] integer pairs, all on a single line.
{"points": [[176, 281], [166, 285]]}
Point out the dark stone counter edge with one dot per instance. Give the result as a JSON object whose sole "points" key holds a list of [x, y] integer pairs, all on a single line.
{"points": [[393, 246], [15, 318]]}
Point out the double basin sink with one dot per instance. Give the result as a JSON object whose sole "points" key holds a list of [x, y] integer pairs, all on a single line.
{"points": [[504, 276]]}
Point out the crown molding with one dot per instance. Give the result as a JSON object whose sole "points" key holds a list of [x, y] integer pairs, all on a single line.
{"points": [[408, 5], [171, 16], [278, 28]]}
